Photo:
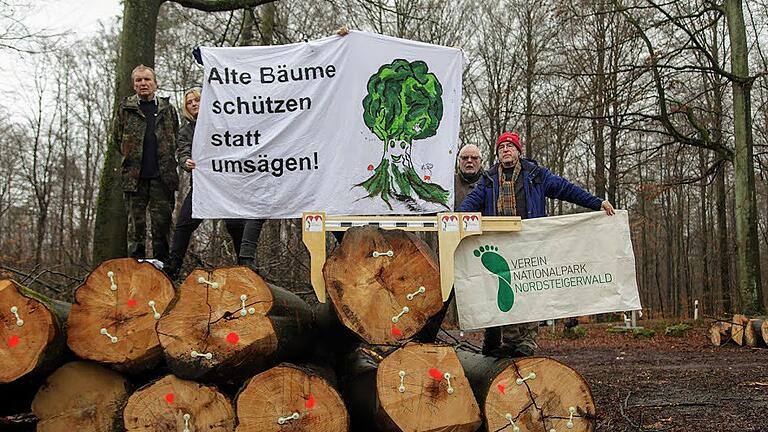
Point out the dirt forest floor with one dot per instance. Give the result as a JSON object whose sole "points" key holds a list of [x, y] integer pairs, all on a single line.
{"points": [[664, 383]]}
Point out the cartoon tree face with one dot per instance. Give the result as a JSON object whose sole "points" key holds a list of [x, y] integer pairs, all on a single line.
{"points": [[404, 104]]}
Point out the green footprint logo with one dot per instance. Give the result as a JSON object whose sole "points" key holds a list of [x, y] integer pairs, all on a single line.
{"points": [[496, 264]]}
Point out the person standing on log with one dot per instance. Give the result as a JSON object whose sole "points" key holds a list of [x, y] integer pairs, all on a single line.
{"points": [[147, 126], [519, 187], [242, 232]]}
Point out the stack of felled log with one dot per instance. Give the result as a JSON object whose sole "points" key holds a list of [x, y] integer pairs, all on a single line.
{"points": [[741, 330], [227, 351]]}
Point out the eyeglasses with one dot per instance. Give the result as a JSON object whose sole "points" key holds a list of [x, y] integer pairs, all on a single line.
{"points": [[464, 158]]}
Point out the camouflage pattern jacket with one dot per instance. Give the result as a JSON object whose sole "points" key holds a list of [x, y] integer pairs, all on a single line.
{"points": [[130, 127]]}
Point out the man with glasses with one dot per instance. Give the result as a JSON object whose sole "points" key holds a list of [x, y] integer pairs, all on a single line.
{"points": [[519, 187], [470, 170]]}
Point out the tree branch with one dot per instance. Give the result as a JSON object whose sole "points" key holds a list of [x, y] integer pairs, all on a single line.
{"points": [[220, 5]]}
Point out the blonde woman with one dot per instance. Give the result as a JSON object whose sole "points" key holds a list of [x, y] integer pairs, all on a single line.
{"points": [[185, 224]]}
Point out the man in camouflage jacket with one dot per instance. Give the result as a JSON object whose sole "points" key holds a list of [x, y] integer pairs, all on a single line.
{"points": [[146, 130]]}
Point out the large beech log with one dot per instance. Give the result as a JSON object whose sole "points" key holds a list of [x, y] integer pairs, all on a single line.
{"points": [[205, 335], [81, 396], [753, 333], [31, 336], [296, 398], [410, 392], [720, 333], [112, 321], [173, 404], [537, 394], [368, 292], [740, 323]]}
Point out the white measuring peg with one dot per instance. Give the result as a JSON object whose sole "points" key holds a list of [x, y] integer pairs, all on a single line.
{"points": [[186, 422], [111, 276], [151, 304], [196, 354], [401, 389], [244, 311], [396, 318], [421, 290], [203, 280], [283, 420], [15, 311], [388, 253], [572, 411], [113, 339], [511, 421], [447, 377], [530, 376]]}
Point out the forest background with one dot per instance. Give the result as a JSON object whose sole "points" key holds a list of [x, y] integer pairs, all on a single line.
{"points": [[660, 106]]}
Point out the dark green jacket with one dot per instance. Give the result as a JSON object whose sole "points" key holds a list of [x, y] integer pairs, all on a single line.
{"points": [[130, 127]]}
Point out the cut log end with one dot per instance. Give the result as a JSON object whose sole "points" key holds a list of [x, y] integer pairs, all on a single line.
{"points": [[538, 393], [720, 333], [172, 404], [117, 307], [424, 378], [28, 331], [753, 333], [394, 289], [740, 323], [81, 396], [221, 326], [293, 398]]}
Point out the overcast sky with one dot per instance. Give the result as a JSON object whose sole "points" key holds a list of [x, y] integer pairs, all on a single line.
{"points": [[78, 17]]}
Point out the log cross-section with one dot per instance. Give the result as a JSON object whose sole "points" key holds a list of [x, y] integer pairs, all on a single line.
{"points": [[228, 324], [291, 397], [384, 284], [31, 339], [115, 312], [81, 396], [173, 404]]}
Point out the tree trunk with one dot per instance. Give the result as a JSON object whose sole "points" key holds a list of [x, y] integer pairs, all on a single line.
{"points": [[380, 298], [722, 241], [720, 333], [288, 396], [228, 324], [172, 404], [31, 335], [750, 286], [408, 391], [81, 396], [117, 327], [739, 325], [137, 46], [532, 393]]}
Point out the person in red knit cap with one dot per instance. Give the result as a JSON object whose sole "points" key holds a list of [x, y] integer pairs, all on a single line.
{"points": [[516, 186]]}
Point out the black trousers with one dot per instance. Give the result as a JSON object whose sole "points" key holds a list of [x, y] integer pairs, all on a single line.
{"points": [[186, 225]]}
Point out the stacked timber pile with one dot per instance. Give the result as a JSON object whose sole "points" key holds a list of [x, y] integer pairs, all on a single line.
{"points": [[740, 330], [226, 351]]}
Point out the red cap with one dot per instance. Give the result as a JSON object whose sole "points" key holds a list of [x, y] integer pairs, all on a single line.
{"points": [[512, 137]]}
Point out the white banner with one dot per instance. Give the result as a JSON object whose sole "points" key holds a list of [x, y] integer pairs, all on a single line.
{"points": [[556, 267], [362, 124]]}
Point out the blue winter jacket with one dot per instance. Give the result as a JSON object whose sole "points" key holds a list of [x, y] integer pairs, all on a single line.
{"points": [[538, 184]]}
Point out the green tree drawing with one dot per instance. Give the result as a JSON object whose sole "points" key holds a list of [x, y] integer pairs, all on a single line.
{"points": [[404, 103]]}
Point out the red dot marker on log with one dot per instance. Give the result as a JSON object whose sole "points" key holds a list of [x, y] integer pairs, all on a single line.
{"points": [[132, 302], [396, 331], [436, 374], [501, 387], [233, 338], [169, 398], [310, 402], [13, 341]]}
